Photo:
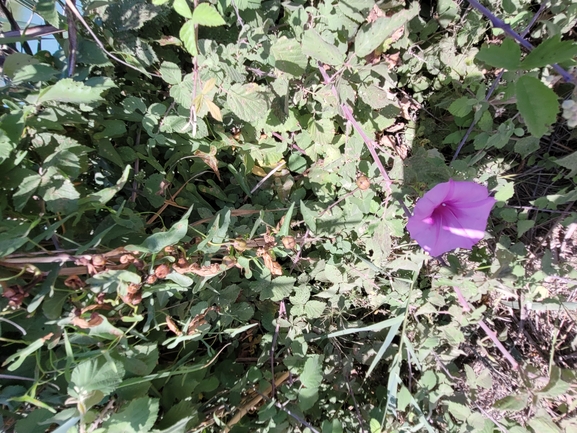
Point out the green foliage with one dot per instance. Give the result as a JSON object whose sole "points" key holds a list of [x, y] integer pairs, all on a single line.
{"points": [[197, 239]]}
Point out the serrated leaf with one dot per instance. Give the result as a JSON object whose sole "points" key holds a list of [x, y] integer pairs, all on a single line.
{"points": [[507, 55], [123, 15], [459, 411], [312, 375], [537, 103], [314, 309], [371, 35], [278, 289], [74, 92], [322, 131], [512, 402], [462, 106], [376, 97], [92, 376], [188, 38], [182, 8], [138, 416], [247, 102], [170, 72], [158, 241], [544, 424], [526, 146], [552, 50], [315, 46], [289, 56], [207, 15]]}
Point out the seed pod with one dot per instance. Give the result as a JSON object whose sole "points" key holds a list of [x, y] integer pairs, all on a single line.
{"points": [[126, 258], [151, 279], [239, 245], [162, 271], [289, 242], [98, 260], [363, 183]]}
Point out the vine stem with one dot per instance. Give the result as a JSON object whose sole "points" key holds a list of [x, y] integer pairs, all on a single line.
{"points": [[499, 23], [490, 333], [348, 115], [497, 80]]}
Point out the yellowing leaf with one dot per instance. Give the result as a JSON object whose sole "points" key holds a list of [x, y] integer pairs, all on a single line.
{"points": [[214, 110]]}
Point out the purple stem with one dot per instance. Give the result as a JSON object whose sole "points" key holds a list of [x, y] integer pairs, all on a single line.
{"points": [[497, 22], [490, 333], [348, 115], [497, 80]]}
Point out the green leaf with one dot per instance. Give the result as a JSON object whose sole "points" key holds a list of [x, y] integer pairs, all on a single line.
{"points": [[312, 375], [206, 15], [322, 131], [74, 92], [462, 106], [277, 289], [552, 50], [182, 8], [34, 73], [16, 359], [92, 380], [47, 10], [523, 226], [372, 35], [309, 216], [513, 403], [527, 145], [459, 411], [158, 241], [289, 56], [187, 36], [569, 162], [248, 4], [15, 62], [247, 102], [138, 416], [105, 195], [507, 55], [313, 45], [537, 103], [314, 309], [171, 72]]}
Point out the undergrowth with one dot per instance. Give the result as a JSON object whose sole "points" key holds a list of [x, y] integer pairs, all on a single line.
{"points": [[204, 207]]}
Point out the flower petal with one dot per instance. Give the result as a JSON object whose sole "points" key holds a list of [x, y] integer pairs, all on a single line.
{"points": [[454, 216]]}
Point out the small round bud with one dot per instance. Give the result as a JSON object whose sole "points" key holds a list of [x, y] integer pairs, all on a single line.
{"points": [[363, 183]]}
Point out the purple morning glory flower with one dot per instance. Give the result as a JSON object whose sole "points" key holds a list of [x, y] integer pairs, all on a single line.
{"points": [[451, 215]]}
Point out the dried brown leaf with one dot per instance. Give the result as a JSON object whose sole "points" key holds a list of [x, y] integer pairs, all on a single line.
{"points": [[209, 159]]}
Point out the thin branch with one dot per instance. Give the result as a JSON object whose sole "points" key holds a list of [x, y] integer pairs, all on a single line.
{"points": [[490, 333], [496, 83], [270, 173], [72, 41], [8, 14], [499, 23], [281, 315], [348, 115], [80, 18]]}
